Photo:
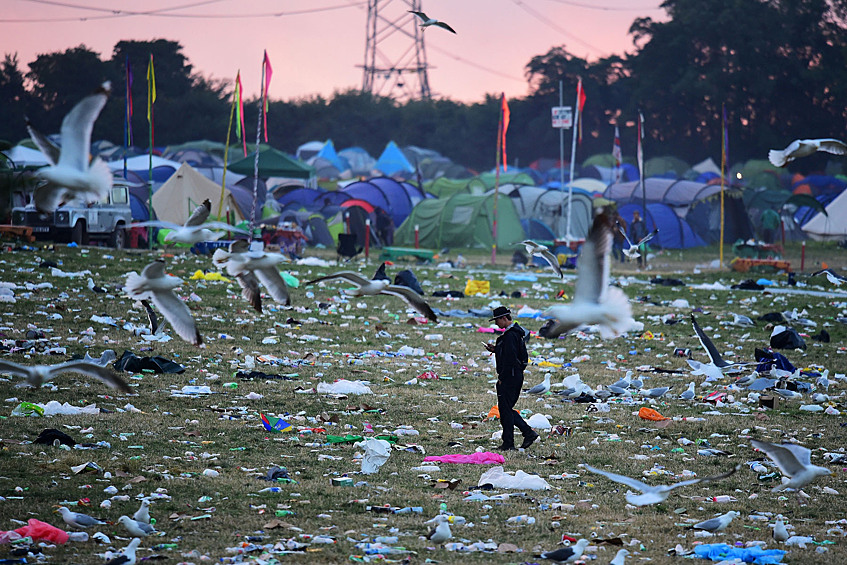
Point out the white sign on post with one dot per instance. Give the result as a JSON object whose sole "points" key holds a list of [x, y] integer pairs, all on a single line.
{"points": [[562, 117]]}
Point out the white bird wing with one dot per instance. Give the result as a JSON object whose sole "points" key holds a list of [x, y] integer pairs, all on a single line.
{"points": [[90, 370], [199, 215], [593, 263], [784, 456], [15, 369], [648, 237], [220, 226], [553, 261], [709, 479], [177, 314], [622, 479], [623, 233], [349, 276], [707, 344], [77, 127], [412, 298], [274, 283], [834, 146], [50, 150], [156, 223]]}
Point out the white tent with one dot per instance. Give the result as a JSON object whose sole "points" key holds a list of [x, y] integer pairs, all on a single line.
{"points": [[23, 156], [177, 198], [833, 224]]}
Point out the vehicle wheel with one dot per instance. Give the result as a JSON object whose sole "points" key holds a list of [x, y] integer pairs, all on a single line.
{"points": [[79, 234], [117, 238]]}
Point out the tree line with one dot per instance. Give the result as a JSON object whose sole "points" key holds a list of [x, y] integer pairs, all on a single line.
{"points": [[778, 67]]}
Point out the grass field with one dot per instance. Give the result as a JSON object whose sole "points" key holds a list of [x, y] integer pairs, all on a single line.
{"points": [[162, 447]]}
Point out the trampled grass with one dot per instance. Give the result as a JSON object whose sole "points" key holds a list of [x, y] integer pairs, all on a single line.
{"points": [[164, 449]]}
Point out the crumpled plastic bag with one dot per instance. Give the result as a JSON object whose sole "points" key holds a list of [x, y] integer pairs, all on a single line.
{"points": [[477, 287], [498, 478], [38, 530], [54, 408], [754, 554], [211, 276], [539, 422], [784, 337], [650, 414], [377, 452], [343, 386], [476, 458]]}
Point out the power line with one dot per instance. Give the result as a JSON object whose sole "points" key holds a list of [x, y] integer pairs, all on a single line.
{"points": [[561, 30], [607, 8]]}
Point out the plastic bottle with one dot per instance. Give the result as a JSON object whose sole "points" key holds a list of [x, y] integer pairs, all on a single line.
{"points": [[433, 337], [161, 546], [723, 498], [522, 519], [77, 536], [271, 489], [443, 508]]}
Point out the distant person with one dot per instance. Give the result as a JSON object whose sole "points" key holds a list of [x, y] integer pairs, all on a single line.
{"points": [[619, 239], [637, 232], [385, 227], [770, 224]]}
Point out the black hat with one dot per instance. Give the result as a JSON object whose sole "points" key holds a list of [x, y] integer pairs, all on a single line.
{"points": [[500, 311]]}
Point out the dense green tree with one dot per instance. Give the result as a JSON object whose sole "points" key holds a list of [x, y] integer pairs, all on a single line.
{"points": [[15, 97]]}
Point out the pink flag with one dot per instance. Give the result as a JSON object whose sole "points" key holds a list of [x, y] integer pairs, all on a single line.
{"points": [[268, 72]]}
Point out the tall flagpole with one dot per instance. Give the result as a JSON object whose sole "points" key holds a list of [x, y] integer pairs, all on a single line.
{"points": [[151, 97], [256, 160], [562, 156], [226, 149], [496, 184], [569, 237], [723, 176]]}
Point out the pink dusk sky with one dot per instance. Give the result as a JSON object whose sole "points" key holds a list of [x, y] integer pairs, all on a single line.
{"points": [[317, 46]]}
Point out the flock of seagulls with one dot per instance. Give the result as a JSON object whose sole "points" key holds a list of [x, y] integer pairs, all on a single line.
{"points": [[196, 229]]}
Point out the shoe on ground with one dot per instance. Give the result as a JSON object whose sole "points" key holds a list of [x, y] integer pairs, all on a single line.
{"points": [[505, 448], [529, 440]]}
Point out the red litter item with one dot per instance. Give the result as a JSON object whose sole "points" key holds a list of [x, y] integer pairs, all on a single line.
{"points": [[38, 530]]}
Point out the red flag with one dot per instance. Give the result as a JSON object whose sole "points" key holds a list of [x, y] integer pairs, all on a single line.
{"points": [[504, 108], [268, 72], [239, 122], [580, 102]]}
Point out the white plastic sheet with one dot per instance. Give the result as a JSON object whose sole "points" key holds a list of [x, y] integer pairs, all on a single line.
{"points": [[343, 386], [377, 452], [498, 478]]}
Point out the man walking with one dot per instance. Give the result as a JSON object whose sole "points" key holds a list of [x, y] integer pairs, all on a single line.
{"points": [[510, 354]]}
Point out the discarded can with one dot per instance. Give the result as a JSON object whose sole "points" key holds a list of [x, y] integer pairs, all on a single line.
{"points": [[161, 546], [682, 352]]}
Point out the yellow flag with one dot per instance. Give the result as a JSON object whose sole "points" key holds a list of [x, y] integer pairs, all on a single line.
{"points": [[151, 88]]}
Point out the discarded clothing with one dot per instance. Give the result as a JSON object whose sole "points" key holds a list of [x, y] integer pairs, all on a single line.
{"points": [[408, 279], [132, 363], [481, 458], [749, 284], [724, 552], [786, 338], [50, 436]]}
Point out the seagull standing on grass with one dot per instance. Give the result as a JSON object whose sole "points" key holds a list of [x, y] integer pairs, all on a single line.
{"points": [[567, 554], [78, 520], [426, 21], [195, 229], [538, 250], [541, 388], [442, 532], [805, 147], [654, 494], [365, 287], [36, 375], [620, 557], [135, 528], [154, 285], [793, 461], [595, 301], [780, 533], [251, 268], [70, 173], [688, 394], [127, 556], [633, 252], [143, 513], [716, 524]]}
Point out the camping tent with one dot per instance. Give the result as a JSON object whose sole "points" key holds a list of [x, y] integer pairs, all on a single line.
{"points": [[833, 224], [674, 232], [550, 207], [395, 197], [272, 163], [184, 191], [393, 162], [462, 220], [360, 161]]}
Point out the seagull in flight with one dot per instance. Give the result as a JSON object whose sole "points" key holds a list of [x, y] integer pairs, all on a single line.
{"points": [[539, 250], [654, 494], [595, 300], [71, 174], [804, 148], [36, 375], [793, 461], [714, 356], [365, 287], [154, 285], [251, 268], [633, 252], [195, 229], [426, 21], [831, 276]]}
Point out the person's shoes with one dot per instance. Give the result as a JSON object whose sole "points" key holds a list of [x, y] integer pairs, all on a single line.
{"points": [[505, 448], [529, 440]]}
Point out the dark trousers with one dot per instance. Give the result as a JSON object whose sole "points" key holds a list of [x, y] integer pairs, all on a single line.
{"points": [[508, 391]]}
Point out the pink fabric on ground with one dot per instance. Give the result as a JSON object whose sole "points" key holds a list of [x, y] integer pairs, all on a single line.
{"points": [[482, 458]]}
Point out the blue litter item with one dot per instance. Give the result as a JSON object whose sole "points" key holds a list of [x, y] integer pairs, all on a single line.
{"points": [[765, 282], [521, 277], [755, 554]]}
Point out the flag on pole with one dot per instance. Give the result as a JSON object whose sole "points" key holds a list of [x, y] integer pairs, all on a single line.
{"points": [[504, 108], [128, 68], [580, 98], [725, 148], [268, 72], [239, 108], [617, 154], [640, 149], [151, 95]]}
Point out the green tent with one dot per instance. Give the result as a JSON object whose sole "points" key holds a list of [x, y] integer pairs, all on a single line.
{"points": [[272, 163], [462, 220]]}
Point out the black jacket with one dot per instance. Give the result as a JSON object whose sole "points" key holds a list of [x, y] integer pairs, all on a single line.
{"points": [[510, 352]]}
